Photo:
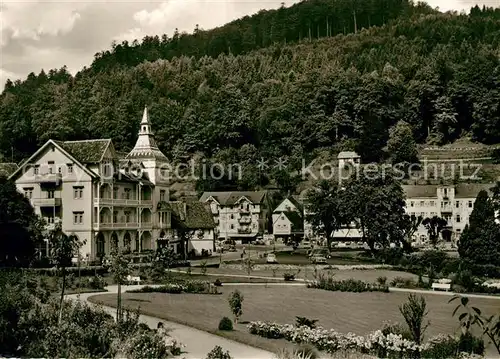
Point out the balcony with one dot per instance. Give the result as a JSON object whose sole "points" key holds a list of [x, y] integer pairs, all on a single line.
{"points": [[245, 220], [47, 202], [101, 226], [145, 202], [244, 211], [115, 202], [49, 178], [244, 230], [447, 209]]}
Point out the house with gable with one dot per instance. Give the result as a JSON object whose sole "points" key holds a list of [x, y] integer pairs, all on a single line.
{"points": [[288, 219], [108, 200], [195, 228], [240, 216]]}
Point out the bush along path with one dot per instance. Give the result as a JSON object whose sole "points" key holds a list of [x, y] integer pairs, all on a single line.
{"points": [[197, 343]]}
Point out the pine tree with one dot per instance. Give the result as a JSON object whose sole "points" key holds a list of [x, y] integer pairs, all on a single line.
{"points": [[480, 240]]}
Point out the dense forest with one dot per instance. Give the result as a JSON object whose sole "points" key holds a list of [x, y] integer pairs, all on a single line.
{"points": [[282, 83]]}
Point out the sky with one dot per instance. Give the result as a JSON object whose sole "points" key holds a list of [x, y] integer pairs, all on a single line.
{"points": [[49, 34]]}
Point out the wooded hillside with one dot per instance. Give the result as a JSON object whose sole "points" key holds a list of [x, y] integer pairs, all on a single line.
{"points": [[438, 72]]}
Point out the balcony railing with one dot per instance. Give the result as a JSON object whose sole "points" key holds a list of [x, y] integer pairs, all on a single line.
{"points": [[244, 230], [47, 202], [49, 178], [116, 202], [134, 225], [244, 211], [245, 220]]}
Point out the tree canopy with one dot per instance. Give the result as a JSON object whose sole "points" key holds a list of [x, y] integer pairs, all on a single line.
{"points": [[20, 227], [284, 83], [480, 240]]}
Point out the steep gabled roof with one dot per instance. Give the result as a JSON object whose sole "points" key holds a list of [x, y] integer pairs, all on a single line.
{"points": [[86, 151], [55, 144], [6, 169], [297, 201], [296, 220], [231, 198], [192, 214]]}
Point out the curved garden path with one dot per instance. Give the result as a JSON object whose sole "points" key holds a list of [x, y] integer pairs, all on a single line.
{"points": [[197, 343]]}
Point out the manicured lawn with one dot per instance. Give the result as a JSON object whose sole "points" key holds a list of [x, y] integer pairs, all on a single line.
{"points": [[346, 312]]}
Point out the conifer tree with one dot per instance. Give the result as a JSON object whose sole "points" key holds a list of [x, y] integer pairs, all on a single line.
{"points": [[480, 240]]}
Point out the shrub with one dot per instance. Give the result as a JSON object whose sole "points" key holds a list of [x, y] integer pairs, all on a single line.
{"points": [[390, 256], [218, 283], [382, 281], [145, 345], [397, 329], [401, 282], [349, 285], [167, 288], [471, 344], [435, 259], [218, 353], [303, 321], [225, 324], [288, 277], [203, 266], [441, 347], [235, 303], [465, 279], [97, 282], [307, 351], [414, 312]]}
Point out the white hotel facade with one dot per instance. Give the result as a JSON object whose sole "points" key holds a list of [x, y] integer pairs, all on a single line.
{"points": [[106, 200]]}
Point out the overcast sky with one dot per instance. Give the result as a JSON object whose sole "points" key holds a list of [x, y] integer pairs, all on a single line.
{"points": [[48, 34]]}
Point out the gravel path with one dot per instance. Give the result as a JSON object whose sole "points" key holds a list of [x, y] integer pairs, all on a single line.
{"points": [[197, 343]]}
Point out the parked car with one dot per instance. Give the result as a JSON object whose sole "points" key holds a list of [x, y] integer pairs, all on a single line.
{"points": [[321, 251], [318, 259], [271, 258]]}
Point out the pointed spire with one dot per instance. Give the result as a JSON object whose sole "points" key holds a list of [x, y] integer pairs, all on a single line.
{"points": [[145, 116], [146, 147]]}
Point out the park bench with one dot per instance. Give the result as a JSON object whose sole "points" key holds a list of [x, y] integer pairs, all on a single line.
{"points": [[132, 280], [444, 286]]}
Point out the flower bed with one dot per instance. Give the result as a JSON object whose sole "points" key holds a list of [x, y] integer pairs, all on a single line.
{"points": [[348, 285], [188, 286], [331, 341], [293, 267]]}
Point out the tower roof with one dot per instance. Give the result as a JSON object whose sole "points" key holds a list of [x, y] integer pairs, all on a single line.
{"points": [[145, 147]]}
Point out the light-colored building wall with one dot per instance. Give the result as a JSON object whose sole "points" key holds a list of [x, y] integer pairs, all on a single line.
{"points": [[282, 226], [241, 219], [454, 203], [97, 199], [202, 240]]}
